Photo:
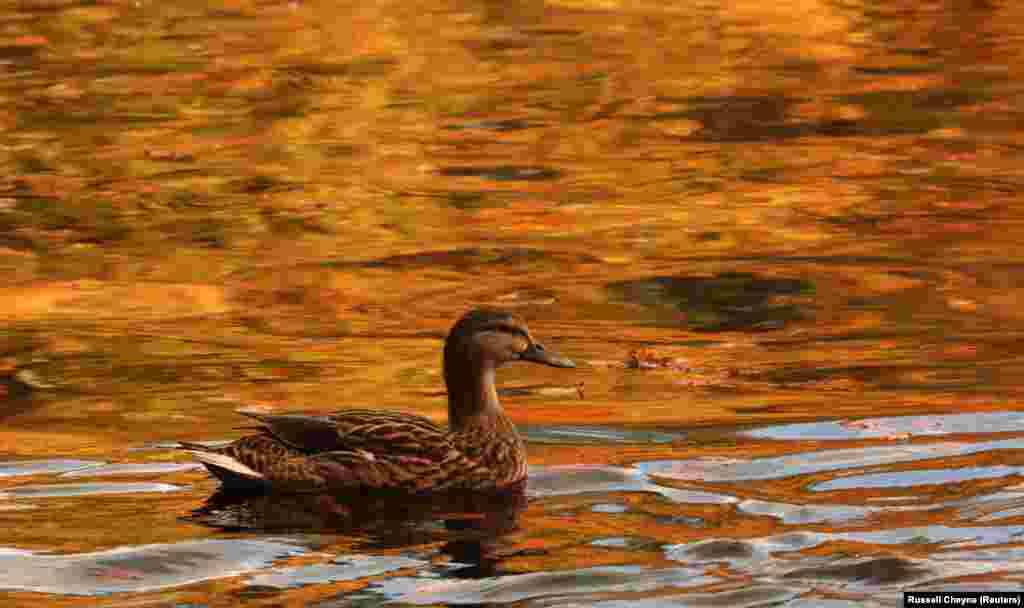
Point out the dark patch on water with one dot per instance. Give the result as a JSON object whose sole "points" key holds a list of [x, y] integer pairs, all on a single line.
{"points": [[17, 53], [741, 551], [260, 184], [893, 103], [796, 375], [730, 301], [469, 200], [896, 70], [504, 173], [771, 117], [499, 126], [341, 150], [718, 550], [364, 67], [471, 258], [875, 571], [734, 118], [901, 377]]}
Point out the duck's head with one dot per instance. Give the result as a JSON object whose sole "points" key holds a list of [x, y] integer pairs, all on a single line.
{"points": [[487, 337]]}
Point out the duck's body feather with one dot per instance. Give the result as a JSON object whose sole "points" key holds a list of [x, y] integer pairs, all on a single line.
{"points": [[384, 450], [365, 449]]}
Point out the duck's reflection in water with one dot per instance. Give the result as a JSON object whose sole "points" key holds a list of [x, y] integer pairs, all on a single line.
{"points": [[471, 524]]}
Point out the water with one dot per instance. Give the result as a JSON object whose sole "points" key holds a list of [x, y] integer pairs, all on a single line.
{"points": [[781, 242]]}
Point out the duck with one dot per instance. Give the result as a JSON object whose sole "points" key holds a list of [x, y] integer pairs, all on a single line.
{"points": [[367, 449]]}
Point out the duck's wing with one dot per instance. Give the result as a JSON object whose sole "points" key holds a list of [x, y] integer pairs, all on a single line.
{"points": [[304, 433], [360, 431], [392, 434]]}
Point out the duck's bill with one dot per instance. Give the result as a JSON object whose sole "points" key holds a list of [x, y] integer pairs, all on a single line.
{"points": [[538, 354]]}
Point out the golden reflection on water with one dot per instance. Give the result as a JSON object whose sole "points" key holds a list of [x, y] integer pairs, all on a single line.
{"points": [[732, 214]]}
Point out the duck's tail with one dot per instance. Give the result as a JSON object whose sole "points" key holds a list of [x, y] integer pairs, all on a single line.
{"points": [[232, 473], [219, 464]]}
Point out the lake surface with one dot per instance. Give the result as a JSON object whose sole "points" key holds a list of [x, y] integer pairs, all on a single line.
{"points": [[781, 241]]}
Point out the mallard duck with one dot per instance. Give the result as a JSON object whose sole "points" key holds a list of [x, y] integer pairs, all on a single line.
{"points": [[362, 449]]}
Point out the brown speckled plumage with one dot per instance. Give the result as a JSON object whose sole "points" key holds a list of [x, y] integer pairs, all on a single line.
{"points": [[363, 448]]}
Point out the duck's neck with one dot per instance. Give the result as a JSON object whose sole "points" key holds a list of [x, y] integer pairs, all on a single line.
{"points": [[472, 396]]}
